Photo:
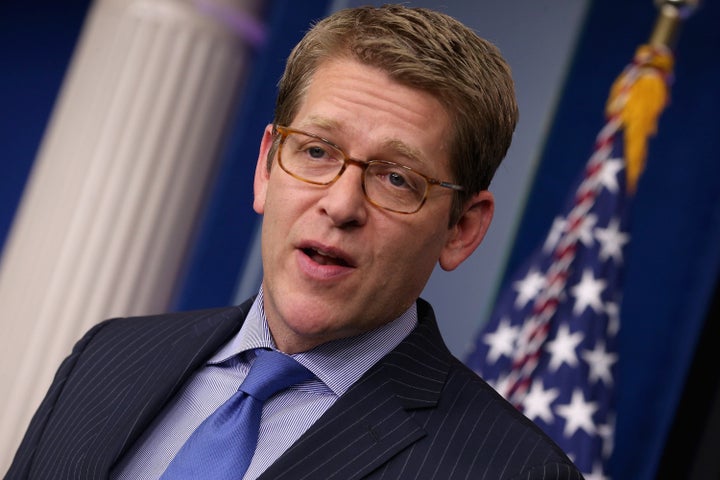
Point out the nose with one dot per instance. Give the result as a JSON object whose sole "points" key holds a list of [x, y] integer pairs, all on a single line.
{"points": [[344, 201]]}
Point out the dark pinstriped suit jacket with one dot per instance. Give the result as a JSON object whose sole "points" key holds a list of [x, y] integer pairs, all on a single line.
{"points": [[418, 414]]}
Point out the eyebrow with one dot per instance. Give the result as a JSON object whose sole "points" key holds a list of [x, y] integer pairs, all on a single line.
{"points": [[405, 150], [321, 122], [393, 144]]}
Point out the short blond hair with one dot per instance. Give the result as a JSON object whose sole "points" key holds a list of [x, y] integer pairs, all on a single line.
{"points": [[430, 51]]}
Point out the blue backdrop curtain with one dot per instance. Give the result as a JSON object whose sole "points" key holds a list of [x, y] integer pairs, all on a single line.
{"points": [[674, 257], [37, 39]]}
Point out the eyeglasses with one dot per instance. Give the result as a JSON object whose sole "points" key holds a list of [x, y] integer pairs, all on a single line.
{"points": [[387, 185]]}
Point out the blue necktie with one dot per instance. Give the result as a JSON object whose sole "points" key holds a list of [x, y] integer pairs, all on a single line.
{"points": [[223, 445]]}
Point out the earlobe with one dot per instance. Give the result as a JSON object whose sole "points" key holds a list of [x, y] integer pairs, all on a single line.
{"points": [[469, 231], [262, 174]]}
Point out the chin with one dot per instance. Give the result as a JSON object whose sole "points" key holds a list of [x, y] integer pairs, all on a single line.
{"points": [[312, 326]]}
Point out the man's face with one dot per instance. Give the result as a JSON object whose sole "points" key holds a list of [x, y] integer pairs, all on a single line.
{"points": [[335, 265]]}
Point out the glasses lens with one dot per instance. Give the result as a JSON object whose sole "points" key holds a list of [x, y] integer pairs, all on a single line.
{"points": [[310, 159], [395, 187], [386, 184]]}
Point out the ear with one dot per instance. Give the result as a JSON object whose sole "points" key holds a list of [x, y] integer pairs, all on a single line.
{"points": [[262, 173], [468, 232]]}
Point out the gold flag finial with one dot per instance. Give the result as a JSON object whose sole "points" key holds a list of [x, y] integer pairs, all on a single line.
{"points": [[670, 17], [640, 94]]}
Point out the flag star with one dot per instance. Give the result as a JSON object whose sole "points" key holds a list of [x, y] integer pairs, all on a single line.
{"points": [[600, 361], [606, 432], [613, 312], [502, 340], [612, 241], [587, 293], [585, 229], [596, 474], [556, 231], [528, 287], [562, 347], [537, 402], [577, 414], [501, 385], [609, 172]]}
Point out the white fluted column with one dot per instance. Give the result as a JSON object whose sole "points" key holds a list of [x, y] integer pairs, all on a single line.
{"points": [[118, 183]]}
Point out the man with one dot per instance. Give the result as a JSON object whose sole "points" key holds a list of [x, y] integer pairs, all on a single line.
{"points": [[389, 125]]}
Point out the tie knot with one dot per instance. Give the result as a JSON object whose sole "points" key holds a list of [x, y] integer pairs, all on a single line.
{"points": [[272, 372]]}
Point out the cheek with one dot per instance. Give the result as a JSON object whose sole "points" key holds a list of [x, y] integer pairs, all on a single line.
{"points": [[276, 221], [282, 201], [286, 214], [412, 255]]}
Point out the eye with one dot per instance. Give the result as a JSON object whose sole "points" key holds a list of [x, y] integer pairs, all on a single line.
{"points": [[397, 180], [316, 152]]}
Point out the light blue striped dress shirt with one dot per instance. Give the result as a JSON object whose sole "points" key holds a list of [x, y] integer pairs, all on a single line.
{"points": [[285, 417]]}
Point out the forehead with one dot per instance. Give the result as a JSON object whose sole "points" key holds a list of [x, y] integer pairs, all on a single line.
{"points": [[361, 108]]}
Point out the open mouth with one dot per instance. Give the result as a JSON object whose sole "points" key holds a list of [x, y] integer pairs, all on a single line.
{"points": [[325, 258]]}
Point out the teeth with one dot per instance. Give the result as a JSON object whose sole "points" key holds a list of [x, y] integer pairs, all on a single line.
{"points": [[325, 258]]}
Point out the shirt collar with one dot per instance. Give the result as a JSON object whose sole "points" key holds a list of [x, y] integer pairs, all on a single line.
{"points": [[253, 334], [338, 364]]}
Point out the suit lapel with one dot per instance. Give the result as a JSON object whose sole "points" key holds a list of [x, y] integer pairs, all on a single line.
{"points": [[186, 345], [176, 361], [118, 378], [371, 423]]}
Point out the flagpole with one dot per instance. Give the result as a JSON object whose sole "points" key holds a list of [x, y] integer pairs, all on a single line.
{"points": [[670, 17]]}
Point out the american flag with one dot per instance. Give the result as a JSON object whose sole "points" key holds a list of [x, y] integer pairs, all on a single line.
{"points": [[550, 345]]}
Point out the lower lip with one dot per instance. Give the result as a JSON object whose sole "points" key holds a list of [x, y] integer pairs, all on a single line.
{"points": [[310, 268]]}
